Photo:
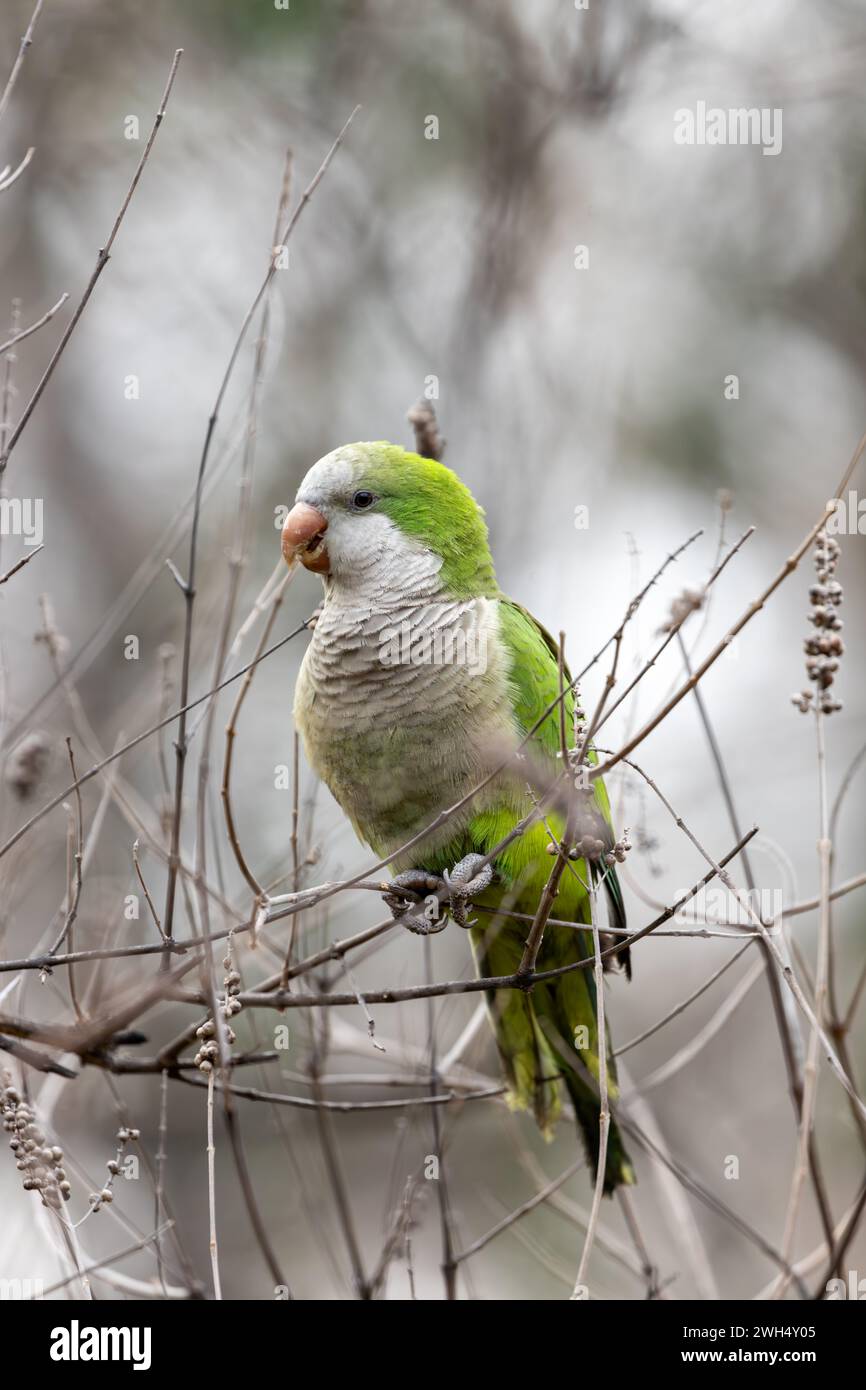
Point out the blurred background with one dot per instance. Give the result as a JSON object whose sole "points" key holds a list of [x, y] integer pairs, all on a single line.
{"points": [[438, 255]]}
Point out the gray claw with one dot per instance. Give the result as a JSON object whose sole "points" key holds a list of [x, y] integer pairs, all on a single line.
{"points": [[449, 894], [423, 918], [421, 924]]}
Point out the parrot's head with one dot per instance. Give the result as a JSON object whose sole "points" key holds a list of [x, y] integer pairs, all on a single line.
{"points": [[376, 511]]}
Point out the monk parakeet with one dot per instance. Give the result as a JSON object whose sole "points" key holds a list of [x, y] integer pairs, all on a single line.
{"points": [[419, 672]]}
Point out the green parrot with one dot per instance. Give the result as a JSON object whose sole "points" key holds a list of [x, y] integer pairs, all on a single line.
{"points": [[419, 673]]}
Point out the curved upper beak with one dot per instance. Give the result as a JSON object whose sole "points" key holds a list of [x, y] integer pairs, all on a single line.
{"points": [[303, 538]]}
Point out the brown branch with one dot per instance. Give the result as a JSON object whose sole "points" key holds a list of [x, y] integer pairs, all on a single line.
{"points": [[755, 607], [73, 893], [140, 738], [530, 1205], [101, 262], [784, 1009], [19, 59], [231, 734], [25, 560], [347, 1107], [189, 590], [280, 999], [26, 332], [140, 876], [428, 439]]}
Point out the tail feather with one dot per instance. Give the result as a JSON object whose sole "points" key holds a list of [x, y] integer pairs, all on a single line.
{"points": [[618, 1170], [551, 1036], [617, 919], [579, 1069]]}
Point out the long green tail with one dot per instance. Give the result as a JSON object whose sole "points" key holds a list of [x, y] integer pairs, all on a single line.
{"points": [[550, 1036]]}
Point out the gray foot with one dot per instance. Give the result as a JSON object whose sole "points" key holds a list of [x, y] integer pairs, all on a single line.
{"points": [[441, 896], [423, 915], [465, 881]]}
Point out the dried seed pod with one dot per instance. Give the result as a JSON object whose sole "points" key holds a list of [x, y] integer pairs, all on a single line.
{"points": [[824, 647]]}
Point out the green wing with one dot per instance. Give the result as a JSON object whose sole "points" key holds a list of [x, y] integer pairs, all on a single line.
{"points": [[551, 1034], [536, 684]]}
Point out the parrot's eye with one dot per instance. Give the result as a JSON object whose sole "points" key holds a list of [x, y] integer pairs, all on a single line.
{"points": [[362, 500]]}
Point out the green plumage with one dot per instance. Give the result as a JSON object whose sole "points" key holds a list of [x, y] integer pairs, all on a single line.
{"points": [[409, 489], [393, 766], [536, 1032]]}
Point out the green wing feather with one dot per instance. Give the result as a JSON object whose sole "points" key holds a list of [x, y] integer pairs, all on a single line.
{"points": [[550, 1035], [536, 684]]}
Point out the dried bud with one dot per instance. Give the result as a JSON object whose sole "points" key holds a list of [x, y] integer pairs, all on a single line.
{"points": [[689, 601], [28, 763]]}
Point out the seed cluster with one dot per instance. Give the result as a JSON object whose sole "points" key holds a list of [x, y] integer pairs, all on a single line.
{"points": [[40, 1163], [589, 847], [125, 1135], [618, 851], [824, 646], [576, 756], [229, 1005]]}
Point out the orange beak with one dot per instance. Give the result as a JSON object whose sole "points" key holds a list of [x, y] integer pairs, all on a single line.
{"points": [[304, 538]]}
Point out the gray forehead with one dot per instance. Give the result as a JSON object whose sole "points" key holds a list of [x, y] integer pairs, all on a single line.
{"points": [[333, 476]]}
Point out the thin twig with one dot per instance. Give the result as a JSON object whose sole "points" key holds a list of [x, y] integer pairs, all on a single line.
{"points": [[211, 1191], [74, 898], [784, 1008], [101, 262], [25, 332], [9, 179], [231, 735], [100, 1265], [144, 889], [140, 738], [189, 594], [733, 631], [19, 60], [683, 1005], [25, 560], [810, 1073], [580, 1289], [527, 1206], [769, 937]]}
